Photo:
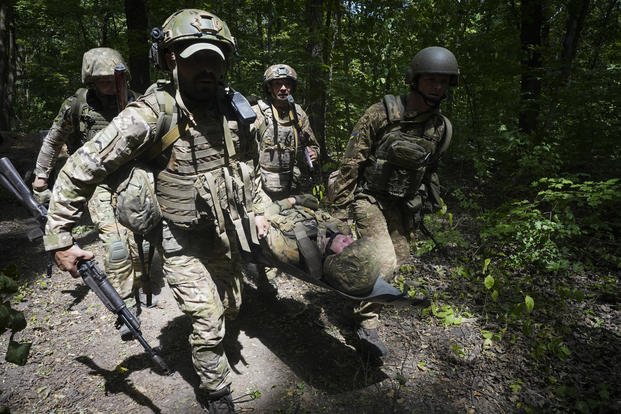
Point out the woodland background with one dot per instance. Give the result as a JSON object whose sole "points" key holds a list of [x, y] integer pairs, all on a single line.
{"points": [[531, 180]]}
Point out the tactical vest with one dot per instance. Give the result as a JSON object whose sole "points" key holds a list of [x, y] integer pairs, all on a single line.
{"points": [[89, 117], [278, 148], [204, 177], [406, 150]]}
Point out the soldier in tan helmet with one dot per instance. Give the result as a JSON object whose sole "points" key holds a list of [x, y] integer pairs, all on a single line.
{"points": [[288, 149], [387, 179], [79, 119], [203, 203]]}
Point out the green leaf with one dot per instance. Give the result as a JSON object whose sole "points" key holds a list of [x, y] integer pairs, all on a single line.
{"points": [[495, 295], [486, 264], [17, 353], [489, 282], [530, 303]]}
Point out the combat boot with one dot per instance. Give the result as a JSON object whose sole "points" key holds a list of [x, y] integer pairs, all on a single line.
{"points": [[218, 402], [371, 344]]}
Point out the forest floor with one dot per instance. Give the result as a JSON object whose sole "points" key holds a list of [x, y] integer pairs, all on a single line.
{"points": [[293, 352]]}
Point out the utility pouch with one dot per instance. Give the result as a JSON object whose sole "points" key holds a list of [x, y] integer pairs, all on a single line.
{"points": [[135, 203]]}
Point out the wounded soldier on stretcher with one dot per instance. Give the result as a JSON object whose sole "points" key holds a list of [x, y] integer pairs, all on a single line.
{"points": [[310, 244]]}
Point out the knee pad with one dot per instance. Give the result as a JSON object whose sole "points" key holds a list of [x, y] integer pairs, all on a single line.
{"points": [[117, 251]]}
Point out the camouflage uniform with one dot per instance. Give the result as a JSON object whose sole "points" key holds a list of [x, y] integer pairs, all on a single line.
{"points": [[79, 119], [280, 242], [199, 247], [284, 171], [376, 214], [279, 158]]}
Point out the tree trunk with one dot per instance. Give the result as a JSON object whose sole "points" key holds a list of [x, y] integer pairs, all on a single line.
{"points": [[577, 12], [7, 65], [316, 88], [138, 60], [530, 37]]}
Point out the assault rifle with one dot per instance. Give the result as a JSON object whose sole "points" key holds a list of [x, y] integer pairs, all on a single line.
{"points": [[94, 278], [120, 80]]}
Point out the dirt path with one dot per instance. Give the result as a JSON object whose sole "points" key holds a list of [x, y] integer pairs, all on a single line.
{"points": [[290, 354]]}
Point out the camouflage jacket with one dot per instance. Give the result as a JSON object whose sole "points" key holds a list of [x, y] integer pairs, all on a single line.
{"points": [[93, 115], [128, 136], [344, 182]]}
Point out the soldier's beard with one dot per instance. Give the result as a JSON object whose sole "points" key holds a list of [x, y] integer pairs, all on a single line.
{"points": [[202, 88]]}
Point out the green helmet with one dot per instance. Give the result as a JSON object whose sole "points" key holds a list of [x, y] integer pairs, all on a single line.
{"points": [[279, 71], [354, 270], [99, 62], [197, 26], [434, 59]]}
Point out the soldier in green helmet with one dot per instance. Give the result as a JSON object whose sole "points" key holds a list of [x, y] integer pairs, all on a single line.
{"points": [[79, 119], [190, 136], [388, 175]]}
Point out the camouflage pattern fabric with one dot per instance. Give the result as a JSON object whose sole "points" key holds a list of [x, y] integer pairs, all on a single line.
{"points": [[277, 154], [124, 274], [94, 115], [100, 62], [383, 218], [355, 269], [201, 265]]}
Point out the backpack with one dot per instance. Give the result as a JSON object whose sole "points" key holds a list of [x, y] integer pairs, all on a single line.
{"points": [[407, 153]]}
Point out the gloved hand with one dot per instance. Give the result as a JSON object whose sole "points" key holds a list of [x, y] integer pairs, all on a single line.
{"points": [[307, 200], [42, 196]]}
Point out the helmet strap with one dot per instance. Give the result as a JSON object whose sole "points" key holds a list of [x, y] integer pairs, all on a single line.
{"points": [[179, 99], [432, 103]]}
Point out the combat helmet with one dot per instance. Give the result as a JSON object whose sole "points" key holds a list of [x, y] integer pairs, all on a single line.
{"points": [[434, 59], [279, 71], [201, 29], [99, 62], [354, 270]]}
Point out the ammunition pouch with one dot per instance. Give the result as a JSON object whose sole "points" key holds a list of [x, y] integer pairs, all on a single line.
{"points": [[134, 201]]}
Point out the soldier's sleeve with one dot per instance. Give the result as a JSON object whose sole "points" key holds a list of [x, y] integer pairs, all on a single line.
{"points": [[308, 131], [254, 127], [61, 128], [342, 183], [127, 136]]}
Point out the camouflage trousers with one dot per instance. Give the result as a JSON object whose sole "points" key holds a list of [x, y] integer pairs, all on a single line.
{"points": [[388, 229], [204, 271], [122, 261]]}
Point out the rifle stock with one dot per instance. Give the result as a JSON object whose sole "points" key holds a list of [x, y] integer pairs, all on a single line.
{"points": [[93, 277]]}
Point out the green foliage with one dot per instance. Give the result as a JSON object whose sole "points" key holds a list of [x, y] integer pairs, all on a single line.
{"points": [[11, 319]]}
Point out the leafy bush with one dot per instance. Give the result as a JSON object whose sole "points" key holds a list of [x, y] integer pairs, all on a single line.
{"points": [[17, 353], [563, 221]]}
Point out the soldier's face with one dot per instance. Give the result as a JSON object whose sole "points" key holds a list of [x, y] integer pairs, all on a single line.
{"points": [[434, 86], [280, 89], [340, 242], [105, 85], [200, 73]]}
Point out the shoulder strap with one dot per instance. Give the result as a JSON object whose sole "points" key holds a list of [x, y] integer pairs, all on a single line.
{"points": [[76, 107], [309, 251], [394, 108], [167, 128], [448, 134]]}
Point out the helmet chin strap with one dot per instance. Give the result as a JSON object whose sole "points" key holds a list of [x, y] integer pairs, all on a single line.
{"points": [[431, 102], [179, 99]]}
